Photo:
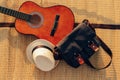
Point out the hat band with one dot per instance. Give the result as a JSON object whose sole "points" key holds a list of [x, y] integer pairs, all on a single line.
{"points": [[42, 46]]}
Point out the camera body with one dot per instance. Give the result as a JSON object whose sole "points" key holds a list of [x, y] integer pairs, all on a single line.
{"points": [[78, 46]]}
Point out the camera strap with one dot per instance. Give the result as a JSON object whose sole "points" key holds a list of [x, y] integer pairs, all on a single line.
{"points": [[102, 44], [108, 51]]}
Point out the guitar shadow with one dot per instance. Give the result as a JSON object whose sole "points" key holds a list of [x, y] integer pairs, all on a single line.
{"points": [[4, 34], [19, 42], [92, 15], [81, 12]]}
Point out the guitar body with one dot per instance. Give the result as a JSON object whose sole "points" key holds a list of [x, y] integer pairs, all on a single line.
{"points": [[46, 21]]}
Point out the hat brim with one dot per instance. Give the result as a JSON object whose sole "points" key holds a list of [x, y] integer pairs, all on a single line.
{"points": [[35, 43]]}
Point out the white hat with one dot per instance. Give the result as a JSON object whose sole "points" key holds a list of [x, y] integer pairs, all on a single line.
{"points": [[42, 57]]}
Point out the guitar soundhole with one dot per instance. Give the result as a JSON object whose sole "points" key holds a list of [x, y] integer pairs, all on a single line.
{"points": [[36, 20]]}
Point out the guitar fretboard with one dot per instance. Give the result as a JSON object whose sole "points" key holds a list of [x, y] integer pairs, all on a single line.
{"points": [[16, 14]]}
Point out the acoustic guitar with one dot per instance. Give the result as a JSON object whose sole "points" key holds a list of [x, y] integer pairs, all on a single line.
{"points": [[50, 23]]}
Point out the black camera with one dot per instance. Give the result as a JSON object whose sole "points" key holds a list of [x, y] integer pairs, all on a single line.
{"points": [[78, 46]]}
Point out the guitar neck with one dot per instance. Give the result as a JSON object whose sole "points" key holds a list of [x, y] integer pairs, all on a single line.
{"points": [[16, 14]]}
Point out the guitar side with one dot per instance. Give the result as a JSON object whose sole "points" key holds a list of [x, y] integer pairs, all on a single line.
{"points": [[65, 23]]}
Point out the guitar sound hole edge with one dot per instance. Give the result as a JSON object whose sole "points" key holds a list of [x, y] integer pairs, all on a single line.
{"points": [[36, 20]]}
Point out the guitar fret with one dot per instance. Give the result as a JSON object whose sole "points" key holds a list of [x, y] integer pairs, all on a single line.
{"points": [[27, 17], [1, 9], [4, 10], [9, 12], [15, 13], [18, 14], [23, 16]]}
